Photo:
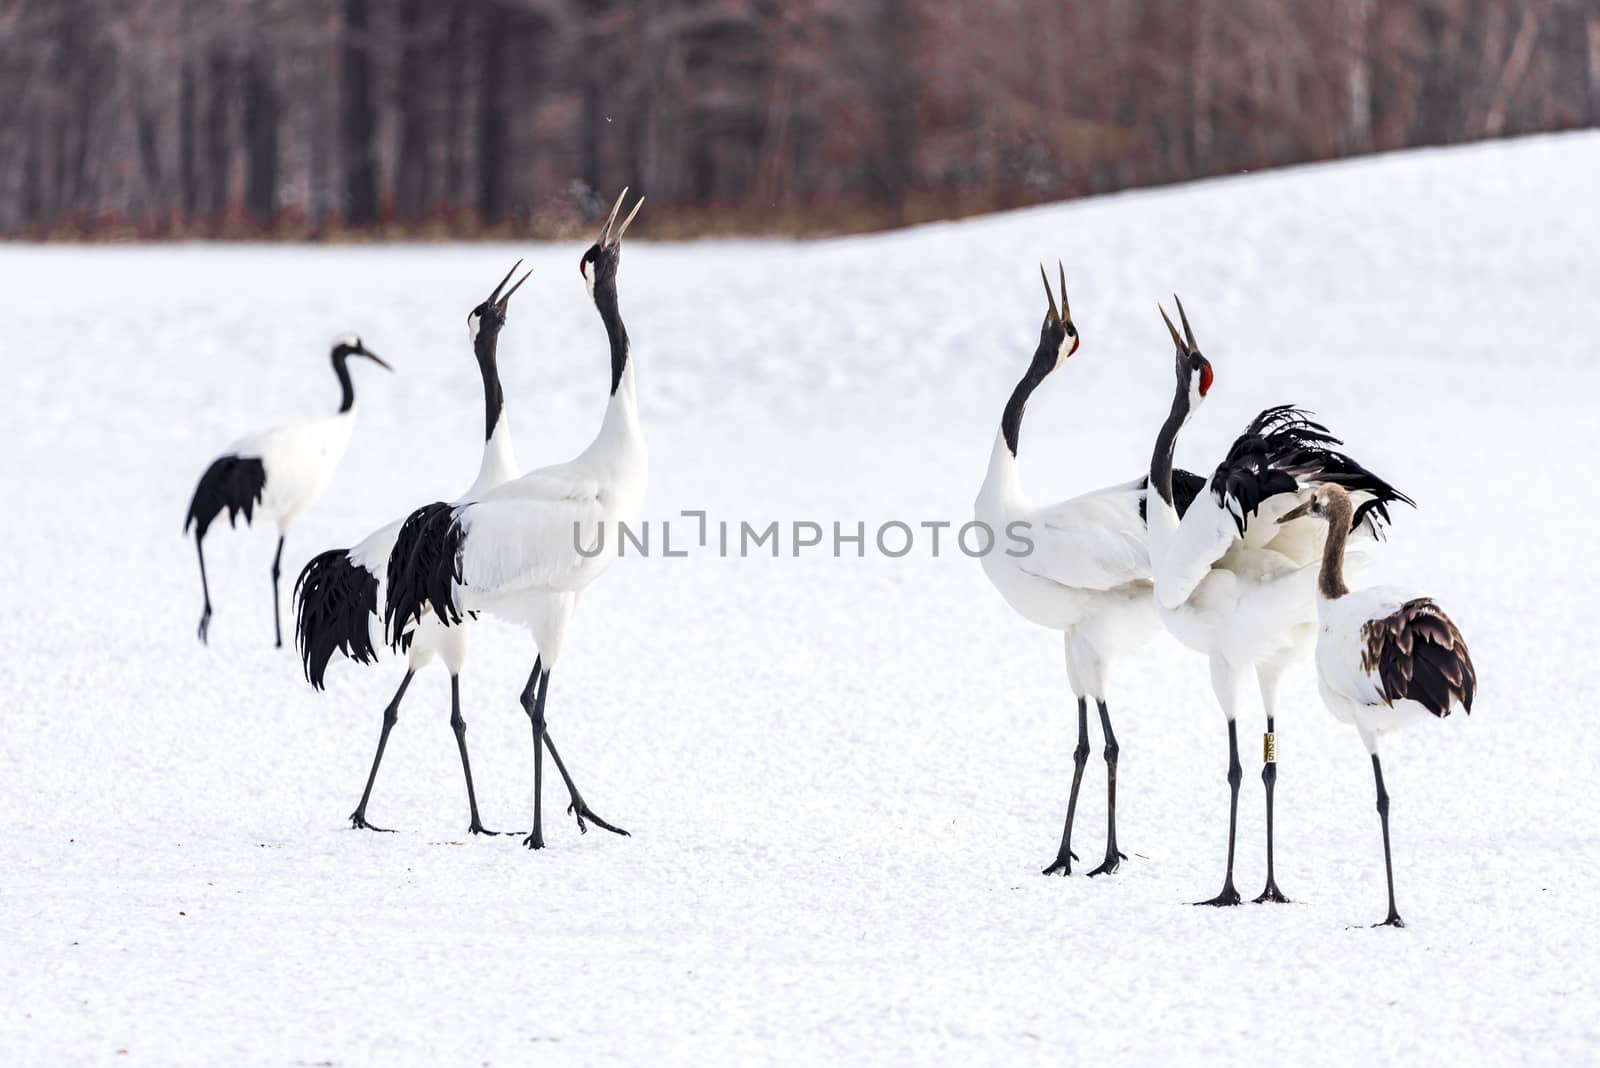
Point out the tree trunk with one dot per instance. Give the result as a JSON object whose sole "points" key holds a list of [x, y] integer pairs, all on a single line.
{"points": [[492, 119], [360, 172], [261, 144]]}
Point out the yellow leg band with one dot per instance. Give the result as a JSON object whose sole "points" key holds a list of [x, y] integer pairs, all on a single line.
{"points": [[1269, 748]]}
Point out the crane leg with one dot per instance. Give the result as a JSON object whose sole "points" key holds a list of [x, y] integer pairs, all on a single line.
{"points": [[459, 725], [533, 696], [1080, 756], [1393, 919], [576, 805], [1113, 856], [277, 619], [358, 818], [1230, 896], [1269, 776], [205, 589]]}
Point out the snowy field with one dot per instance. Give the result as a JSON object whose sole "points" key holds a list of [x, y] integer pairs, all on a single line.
{"points": [[842, 776]]}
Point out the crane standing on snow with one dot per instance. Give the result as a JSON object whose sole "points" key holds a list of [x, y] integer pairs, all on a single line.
{"points": [[1088, 575], [1385, 659], [280, 471], [339, 592], [1230, 580], [513, 552]]}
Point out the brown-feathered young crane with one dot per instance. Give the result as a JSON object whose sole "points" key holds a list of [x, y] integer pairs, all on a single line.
{"points": [[1385, 659]]}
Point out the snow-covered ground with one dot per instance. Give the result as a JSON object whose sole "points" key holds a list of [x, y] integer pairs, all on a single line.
{"points": [[842, 776]]}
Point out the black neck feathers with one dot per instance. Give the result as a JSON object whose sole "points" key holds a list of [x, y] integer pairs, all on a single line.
{"points": [[605, 299], [1166, 442], [494, 398], [1011, 420], [347, 389]]}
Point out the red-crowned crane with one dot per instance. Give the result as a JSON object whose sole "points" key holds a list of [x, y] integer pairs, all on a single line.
{"points": [[1087, 573], [520, 552], [279, 472], [1230, 580], [339, 593], [1386, 658]]}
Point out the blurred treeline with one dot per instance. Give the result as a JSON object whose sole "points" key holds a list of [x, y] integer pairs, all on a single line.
{"points": [[334, 117]]}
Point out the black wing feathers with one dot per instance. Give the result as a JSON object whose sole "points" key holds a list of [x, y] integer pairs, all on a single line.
{"points": [[1282, 450], [336, 600], [231, 482], [1186, 486]]}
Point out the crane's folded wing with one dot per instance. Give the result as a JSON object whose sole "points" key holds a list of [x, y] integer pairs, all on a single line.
{"points": [[1093, 542], [519, 541]]}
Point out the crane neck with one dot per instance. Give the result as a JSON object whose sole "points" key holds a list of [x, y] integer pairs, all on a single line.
{"points": [[605, 300], [1330, 582], [484, 347], [499, 464], [1167, 443], [1011, 419], [619, 441], [347, 389]]}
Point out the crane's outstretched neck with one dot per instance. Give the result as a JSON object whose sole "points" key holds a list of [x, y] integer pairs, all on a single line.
{"points": [[499, 457], [1011, 418], [1330, 582], [605, 299], [1167, 442], [484, 346], [347, 389]]}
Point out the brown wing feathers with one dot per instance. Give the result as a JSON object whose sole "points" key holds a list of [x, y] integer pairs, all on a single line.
{"points": [[1419, 655]]}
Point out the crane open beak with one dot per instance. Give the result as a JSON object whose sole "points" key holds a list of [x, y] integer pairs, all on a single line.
{"points": [[608, 236], [505, 300], [1064, 313], [1295, 513], [494, 296], [1186, 347]]}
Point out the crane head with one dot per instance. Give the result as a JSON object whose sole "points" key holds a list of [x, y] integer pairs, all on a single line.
{"points": [[1194, 370], [491, 314], [348, 345], [599, 262], [1058, 337]]}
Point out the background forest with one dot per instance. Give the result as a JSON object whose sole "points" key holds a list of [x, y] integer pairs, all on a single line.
{"points": [[322, 117]]}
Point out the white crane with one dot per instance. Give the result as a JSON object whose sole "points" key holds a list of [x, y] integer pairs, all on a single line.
{"points": [[1385, 658], [279, 471], [1233, 583], [1087, 574], [515, 552], [339, 592]]}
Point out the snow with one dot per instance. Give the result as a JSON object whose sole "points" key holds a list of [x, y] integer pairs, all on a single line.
{"points": [[842, 776]]}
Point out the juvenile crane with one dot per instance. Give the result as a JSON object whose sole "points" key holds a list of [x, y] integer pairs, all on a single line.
{"points": [[1230, 580], [339, 592], [1385, 658], [279, 472], [515, 551], [1088, 574]]}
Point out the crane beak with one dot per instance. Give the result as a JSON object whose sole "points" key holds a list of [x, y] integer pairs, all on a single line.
{"points": [[506, 300], [375, 358], [494, 295], [1183, 350], [1296, 513], [626, 222], [609, 237], [605, 231]]}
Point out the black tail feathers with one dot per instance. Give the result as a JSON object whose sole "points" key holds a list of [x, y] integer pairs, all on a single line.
{"points": [[336, 600], [424, 567], [231, 482]]}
